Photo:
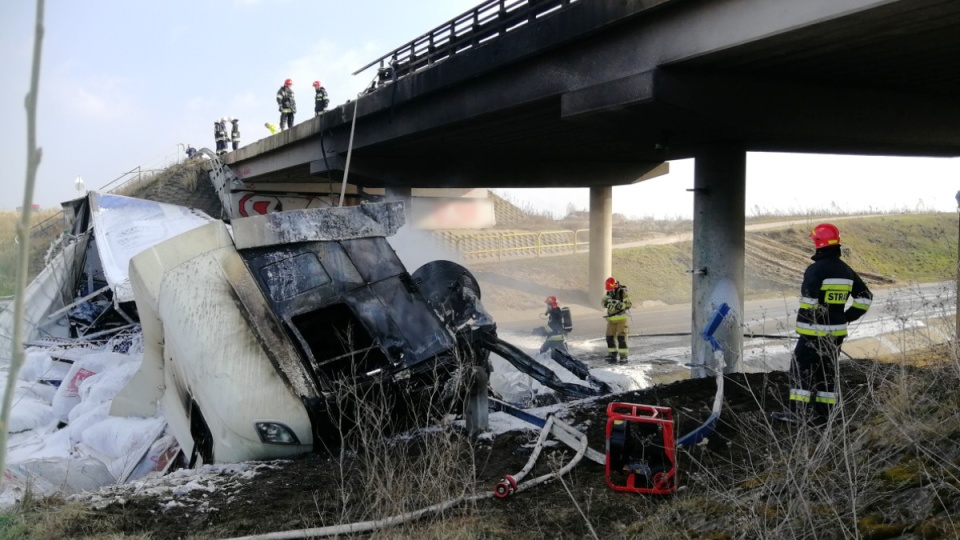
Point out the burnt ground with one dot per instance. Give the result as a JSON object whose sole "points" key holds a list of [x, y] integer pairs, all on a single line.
{"points": [[307, 492]]}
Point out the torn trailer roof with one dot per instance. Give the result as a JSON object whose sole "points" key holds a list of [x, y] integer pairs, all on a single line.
{"points": [[84, 287]]}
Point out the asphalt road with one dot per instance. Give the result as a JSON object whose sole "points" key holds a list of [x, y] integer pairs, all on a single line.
{"points": [[766, 316]]}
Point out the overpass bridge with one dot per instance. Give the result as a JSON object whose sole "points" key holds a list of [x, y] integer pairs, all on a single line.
{"points": [[598, 93]]}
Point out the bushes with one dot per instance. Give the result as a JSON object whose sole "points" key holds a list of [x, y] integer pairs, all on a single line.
{"points": [[9, 250]]}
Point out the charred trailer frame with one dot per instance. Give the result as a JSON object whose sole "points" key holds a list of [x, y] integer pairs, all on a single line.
{"points": [[257, 337]]}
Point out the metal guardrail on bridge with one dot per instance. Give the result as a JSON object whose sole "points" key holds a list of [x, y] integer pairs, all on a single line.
{"points": [[522, 244], [487, 21]]}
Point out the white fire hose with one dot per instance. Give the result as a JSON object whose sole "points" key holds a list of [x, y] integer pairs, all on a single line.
{"points": [[511, 485]]}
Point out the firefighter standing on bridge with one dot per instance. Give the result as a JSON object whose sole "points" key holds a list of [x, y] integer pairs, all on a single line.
{"points": [[287, 104], [321, 100], [220, 135], [617, 303], [235, 132], [822, 320]]}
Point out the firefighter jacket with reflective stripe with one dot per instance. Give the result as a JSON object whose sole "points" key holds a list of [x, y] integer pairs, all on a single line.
{"points": [[321, 95], [617, 303], [235, 132], [285, 100], [827, 286]]}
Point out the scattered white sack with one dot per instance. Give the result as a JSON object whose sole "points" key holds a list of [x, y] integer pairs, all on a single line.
{"points": [[28, 412], [88, 364], [45, 477], [42, 443], [38, 364], [79, 423], [35, 363], [102, 388], [36, 390], [122, 442], [157, 459]]}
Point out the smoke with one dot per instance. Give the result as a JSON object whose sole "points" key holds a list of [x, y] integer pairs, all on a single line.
{"points": [[417, 247]]}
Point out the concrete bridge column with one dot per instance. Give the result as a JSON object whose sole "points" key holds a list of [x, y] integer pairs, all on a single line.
{"points": [[718, 253], [601, 241]]}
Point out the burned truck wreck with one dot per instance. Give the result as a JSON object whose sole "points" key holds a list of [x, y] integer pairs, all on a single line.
{"points": [[260, 333]]}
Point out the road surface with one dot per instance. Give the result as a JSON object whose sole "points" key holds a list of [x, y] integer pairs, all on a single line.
{"points": [[660, 337]]}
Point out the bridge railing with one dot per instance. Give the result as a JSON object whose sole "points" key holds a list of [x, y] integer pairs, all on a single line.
{"points": [[487, 21], [520, 244]]}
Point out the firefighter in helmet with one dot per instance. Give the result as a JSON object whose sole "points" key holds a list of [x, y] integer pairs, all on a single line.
{"points": [[828, 286], [554, 330], [617, 303], [321, 100], [220, 135], [287, 104], [235, 133]]}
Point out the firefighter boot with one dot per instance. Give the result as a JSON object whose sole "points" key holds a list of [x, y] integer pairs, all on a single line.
{"points": [[611, 350], [820, 413], [796, 413], [623, 358]]}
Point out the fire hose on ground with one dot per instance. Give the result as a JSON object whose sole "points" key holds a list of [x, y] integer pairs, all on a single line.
{"points": [[510, 485]]}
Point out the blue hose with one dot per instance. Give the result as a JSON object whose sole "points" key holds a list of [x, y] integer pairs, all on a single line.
{"points": [[706, 429]]}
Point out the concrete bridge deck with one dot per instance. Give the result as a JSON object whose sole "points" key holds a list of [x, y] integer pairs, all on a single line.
{"points": [[600, 92]]}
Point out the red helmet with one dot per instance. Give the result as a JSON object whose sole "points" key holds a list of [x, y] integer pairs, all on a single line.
{"points": [[316, 84], [611, 284], [825, 235], [288, 82], [551, 301]]}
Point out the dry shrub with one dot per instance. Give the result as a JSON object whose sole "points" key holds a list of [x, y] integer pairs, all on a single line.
{"points": [[395, 449], [885, 465]]}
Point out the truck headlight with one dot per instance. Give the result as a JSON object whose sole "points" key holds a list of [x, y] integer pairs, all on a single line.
{"points": [[275, 433]]}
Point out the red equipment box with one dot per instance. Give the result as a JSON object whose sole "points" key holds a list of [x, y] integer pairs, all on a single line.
{"points": [[641, 449]]}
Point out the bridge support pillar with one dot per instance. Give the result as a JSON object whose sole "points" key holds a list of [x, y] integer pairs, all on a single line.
{"points": [[718, 254], [601, 241]]}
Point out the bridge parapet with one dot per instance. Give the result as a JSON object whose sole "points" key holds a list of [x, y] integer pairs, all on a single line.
{"points": [[485, 22]]}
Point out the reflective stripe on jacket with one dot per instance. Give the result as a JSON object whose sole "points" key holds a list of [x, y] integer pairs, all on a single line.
{"points": [[827, 286], [286, 100], [617, 303]]}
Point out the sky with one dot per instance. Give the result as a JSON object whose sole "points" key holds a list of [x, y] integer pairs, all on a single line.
{"points": [[126, 84]]}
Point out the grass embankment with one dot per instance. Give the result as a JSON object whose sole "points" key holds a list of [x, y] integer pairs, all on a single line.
{"points": [[8, 247]]}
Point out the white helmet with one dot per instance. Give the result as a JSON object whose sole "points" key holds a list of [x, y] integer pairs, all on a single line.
{"points": [[223, 118]]}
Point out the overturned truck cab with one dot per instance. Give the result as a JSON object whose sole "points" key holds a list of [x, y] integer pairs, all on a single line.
{"points": [[253, 330]]}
